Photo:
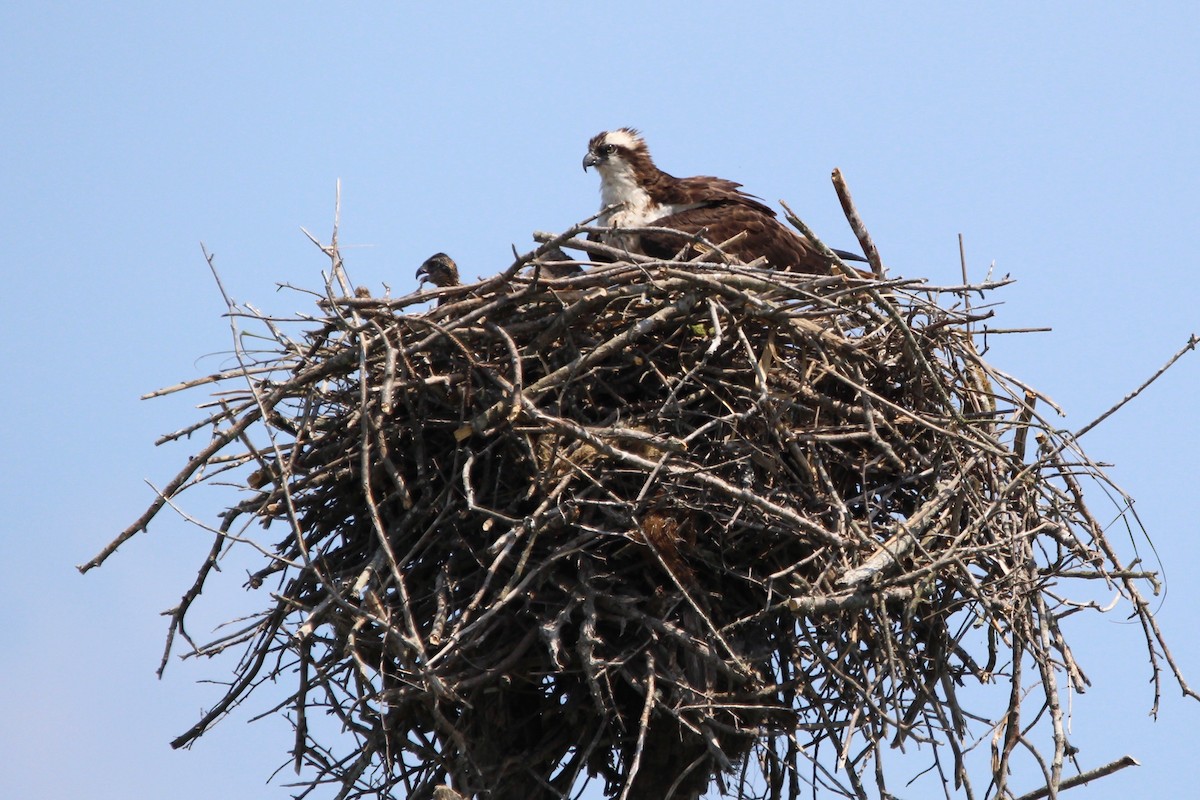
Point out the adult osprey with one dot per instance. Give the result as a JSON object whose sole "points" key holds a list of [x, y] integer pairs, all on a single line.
{"points": [[715, 208]]}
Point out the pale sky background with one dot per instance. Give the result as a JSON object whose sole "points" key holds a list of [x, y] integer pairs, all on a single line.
{"points": [[1059, 139]]}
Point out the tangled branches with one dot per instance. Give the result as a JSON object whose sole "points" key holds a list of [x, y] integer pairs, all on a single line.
{"points": [[653, 523]]}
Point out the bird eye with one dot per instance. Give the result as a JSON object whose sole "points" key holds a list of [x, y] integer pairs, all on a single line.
{"points": [[609, 149]]}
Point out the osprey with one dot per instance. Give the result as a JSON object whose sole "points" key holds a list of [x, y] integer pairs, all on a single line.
{"points": [[712, 207], [440, 270]]}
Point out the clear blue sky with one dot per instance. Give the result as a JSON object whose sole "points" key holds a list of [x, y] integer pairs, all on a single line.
{"points": [[1059, 139]]}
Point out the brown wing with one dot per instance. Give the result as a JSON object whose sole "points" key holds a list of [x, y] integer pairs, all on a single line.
{"points": [[704, 189], [720, 221]]}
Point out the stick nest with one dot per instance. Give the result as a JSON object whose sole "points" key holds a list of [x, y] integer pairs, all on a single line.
{"points": [[655, 524]]}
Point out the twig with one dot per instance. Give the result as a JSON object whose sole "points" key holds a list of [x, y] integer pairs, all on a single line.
{"points": [[1084, 777], [857, 226], [1191, 345]]}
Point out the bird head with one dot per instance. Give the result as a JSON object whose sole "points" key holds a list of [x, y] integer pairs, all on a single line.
{"points": [[439, 269], [615, 151]]}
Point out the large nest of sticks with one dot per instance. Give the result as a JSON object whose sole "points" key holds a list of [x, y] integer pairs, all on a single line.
{"points": [[655, 524]]}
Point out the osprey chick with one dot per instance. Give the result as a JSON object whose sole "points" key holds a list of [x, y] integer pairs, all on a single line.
{"points": [[440, 270], [712, 207]]}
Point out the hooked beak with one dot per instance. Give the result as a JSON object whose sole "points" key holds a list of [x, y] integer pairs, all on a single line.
{"points": [[590, 160]]}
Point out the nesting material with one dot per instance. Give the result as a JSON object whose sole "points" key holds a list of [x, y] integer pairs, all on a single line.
{"points": [[653, 524]]}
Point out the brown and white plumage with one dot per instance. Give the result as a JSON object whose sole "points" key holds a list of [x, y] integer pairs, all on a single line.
{"points": [[714, 208], [440, 270]]}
